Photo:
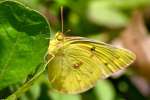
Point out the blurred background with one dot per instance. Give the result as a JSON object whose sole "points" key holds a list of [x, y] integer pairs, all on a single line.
{"points": [[124, 23]]}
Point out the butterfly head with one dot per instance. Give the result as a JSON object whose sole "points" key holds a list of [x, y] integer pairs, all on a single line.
{"points": [[56, 43], [59, 36]]}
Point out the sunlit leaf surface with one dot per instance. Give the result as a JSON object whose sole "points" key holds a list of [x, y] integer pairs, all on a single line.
{"points": [[23, 42]]}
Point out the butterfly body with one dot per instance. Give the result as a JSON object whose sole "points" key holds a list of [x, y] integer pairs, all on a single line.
{"points": [[56, 44], [79, 63]]}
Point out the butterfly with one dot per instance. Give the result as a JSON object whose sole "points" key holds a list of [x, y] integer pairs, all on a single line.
{"points": [[78, 63]]}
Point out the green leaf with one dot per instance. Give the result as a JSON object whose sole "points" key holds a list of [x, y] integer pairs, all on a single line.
{"points": [[111, 13], [58, 96], [129, 4], [104, 90], [102, 13], [23, 42]]}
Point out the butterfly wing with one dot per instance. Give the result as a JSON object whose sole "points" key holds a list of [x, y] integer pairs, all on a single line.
{"points": [[81, 62], [72, 71], [110, 58]]}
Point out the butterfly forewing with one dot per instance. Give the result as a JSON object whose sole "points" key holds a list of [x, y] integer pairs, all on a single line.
{"points": [[110, 58]]}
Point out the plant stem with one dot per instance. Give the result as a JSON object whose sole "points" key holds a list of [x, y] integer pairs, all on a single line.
{"points": [[28, 84]]}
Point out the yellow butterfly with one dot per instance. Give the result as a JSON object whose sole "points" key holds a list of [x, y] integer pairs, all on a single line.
{"points": [[78, 63]]}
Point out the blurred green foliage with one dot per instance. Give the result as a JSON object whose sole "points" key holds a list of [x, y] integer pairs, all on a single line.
{"points": [[88, 18]]}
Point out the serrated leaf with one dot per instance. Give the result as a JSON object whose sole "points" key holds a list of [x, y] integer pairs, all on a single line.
{"points": [[23, 42]]}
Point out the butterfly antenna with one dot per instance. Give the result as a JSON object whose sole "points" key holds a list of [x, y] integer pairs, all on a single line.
{"points": [[68, 31], [62, 21]]}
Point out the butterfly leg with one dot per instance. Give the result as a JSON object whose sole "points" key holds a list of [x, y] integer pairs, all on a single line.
{"points": [[45, 57]]}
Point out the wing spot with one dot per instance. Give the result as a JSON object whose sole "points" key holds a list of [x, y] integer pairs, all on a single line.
{"points": [[77, 65], [109, 68], [93, 48], [117, 57], [106, 64], [91, 72]]}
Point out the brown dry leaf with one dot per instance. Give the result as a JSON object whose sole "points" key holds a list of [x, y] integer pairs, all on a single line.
{"points": [[135, 37]]}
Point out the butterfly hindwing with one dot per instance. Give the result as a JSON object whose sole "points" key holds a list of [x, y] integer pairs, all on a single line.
{"points": [[73, 72]]}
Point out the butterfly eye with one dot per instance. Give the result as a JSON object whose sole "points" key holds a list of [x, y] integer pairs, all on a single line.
{"points": [[59, 36]]}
